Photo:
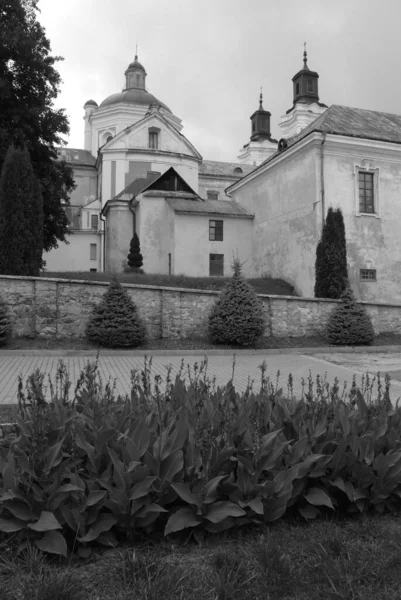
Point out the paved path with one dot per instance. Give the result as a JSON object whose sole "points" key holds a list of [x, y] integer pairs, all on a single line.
{"points": [[247, 366]]}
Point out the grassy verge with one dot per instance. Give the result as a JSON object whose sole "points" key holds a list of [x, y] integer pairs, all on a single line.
{"points": [[266, 285], [264, 343], [322, 560]]}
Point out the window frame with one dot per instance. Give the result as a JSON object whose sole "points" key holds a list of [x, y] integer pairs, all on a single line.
{"points": [[213, 192], [92, 217], [216, 230], [92, 255], [215, 261], [153, 134], [368, 168], [367, 272]]}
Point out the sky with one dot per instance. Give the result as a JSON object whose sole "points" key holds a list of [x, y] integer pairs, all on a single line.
{"points": [[208, 59]]}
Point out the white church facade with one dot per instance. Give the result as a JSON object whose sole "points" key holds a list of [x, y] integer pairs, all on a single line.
{"points": [[138, 172]]}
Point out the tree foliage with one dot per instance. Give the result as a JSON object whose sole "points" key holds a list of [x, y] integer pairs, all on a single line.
{"points": [[21, 216], [115, 321], [331, 257], [349, 324], [237, 317], [5, 324], [29, 85], [135, 258]]}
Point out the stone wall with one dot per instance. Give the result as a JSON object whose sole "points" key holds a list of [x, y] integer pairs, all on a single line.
{"points": [[59, 308]]}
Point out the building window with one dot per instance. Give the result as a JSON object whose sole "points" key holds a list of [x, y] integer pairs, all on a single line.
{"points": [[94, 221], [169, 263], [212, 195], [216, 265], [238, 170], [297, 88], [366, 192], [368, 274], [153, 140], [93, 251], [216, 231], [93, 270], [310, 85], [109, 138]]}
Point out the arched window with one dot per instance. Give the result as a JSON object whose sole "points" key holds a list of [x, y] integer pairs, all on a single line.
{"points": [[238, 170], [110, 137]]}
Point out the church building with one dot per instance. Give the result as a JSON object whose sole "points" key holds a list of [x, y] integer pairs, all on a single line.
{"points": [[139, 173]]}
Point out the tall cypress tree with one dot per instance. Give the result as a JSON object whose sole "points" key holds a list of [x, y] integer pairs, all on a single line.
{"points": [[135, 258], [331, 270], [21, 216]]}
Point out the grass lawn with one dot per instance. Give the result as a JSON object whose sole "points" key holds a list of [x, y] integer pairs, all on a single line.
{"points": [[262, 285], [357, 558], [187, 344]]}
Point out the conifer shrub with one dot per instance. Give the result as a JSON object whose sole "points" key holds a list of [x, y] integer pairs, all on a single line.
{"points": [[135, 258], [237, 317], [5, 324], [349, 323], [331, 257], [115, 321]]}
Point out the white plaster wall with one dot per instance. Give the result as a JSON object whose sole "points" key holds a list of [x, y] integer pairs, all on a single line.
{"points": [[155, 234], [287, 224], [372, 243], [76, 255], [192, 245]]}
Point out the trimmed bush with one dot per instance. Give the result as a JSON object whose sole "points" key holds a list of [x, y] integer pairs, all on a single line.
{"points": [[237, 317], [135, 258], [331, 258], [349, 324], [5, 325], [115, 321]]}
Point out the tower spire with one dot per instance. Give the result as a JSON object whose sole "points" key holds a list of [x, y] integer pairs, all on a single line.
{"points": [[136, 51], [261, 99], [305, 56]]}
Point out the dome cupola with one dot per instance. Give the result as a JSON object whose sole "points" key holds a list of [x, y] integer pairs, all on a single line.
{"points": [[306, 84], [135, 75]]}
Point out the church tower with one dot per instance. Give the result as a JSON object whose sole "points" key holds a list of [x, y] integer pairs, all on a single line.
{"points": [[261, 144], [306, 106], [135, 75]]}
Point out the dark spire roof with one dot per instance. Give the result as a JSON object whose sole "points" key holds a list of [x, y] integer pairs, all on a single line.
{"points": [[260, 122], [136, 65], [306, 89]]}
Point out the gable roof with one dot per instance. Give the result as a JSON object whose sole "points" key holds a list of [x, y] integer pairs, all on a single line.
{"points": [[169, 181], [211, 207], [148, 117], [76, 157], [137, 186], [347, 122], [225, 169]]}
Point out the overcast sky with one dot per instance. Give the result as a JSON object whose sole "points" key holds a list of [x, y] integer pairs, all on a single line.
{"points": [[207, 59]]}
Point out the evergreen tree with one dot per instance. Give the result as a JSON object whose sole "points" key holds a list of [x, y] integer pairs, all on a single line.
{"points": [[349, 324], [21, 216], [331, 257], [29, 84], [237, 317], [135, 258], [115, 321], [5, 325]]}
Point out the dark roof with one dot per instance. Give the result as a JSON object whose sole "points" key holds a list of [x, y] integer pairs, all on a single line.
{"points": [[90, 103], [137, 186], [349, 122], [136, 65], [76, 156], [133, 96], [226, 169], [210, 207]]}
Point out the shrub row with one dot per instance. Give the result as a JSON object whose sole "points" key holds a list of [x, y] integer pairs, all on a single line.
{"points": [[181, 454]]}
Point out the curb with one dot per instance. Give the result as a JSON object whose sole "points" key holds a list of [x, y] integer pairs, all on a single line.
{"points": [[209, 352]]}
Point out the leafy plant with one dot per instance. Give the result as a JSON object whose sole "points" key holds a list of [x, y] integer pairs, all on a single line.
{"points": [[115, 321], [237, 317], [349, 324]]}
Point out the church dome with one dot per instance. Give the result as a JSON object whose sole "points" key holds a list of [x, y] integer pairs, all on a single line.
{"points": [[136, 65], [133, 96]]}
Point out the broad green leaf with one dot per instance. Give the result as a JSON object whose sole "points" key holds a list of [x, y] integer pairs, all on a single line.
{"points": [[68, 488], [9, 525], [257, 505], [95, 497], [183, 518], [381, 464], [47, 522], [342, 412], [52, 542], [8, 474], [274, 508], [210, 490], [221, 510], [269, 440], [309, 512], [133, 465], [171, 465], [318, 497], [54, 455], [338, 483], [104, 523], [362, 406], [107, 538], [184, 492], [19, 510], [151, 508], [119, 470], [142, 488]]}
